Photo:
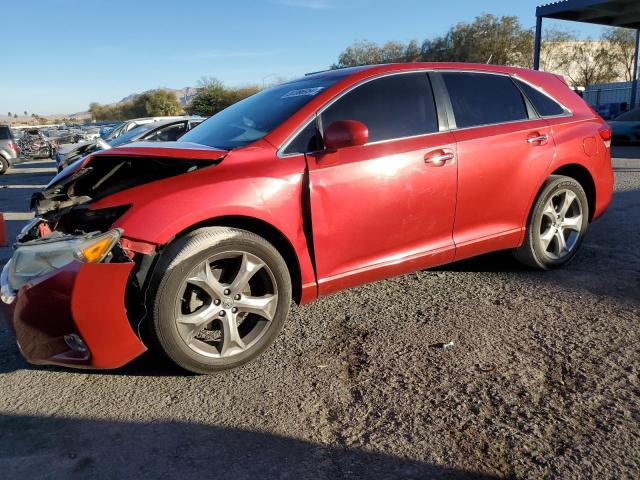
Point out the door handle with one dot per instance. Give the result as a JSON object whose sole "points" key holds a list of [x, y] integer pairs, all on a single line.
{"points": [[538, 139], [439, 159]]}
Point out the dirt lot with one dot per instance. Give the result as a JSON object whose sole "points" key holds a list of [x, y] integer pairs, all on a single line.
{"points": [[542, 381]]}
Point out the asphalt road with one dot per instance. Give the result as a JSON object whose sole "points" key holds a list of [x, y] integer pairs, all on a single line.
{"points": [[542, 381]]}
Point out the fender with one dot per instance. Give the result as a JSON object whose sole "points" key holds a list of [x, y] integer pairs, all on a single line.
{"points": [[163, 209]]}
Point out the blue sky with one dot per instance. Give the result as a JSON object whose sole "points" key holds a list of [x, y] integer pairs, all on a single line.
{"points": [[64, 54]]}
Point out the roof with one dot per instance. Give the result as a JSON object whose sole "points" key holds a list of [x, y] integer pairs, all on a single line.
{"points": [[614, 13]]}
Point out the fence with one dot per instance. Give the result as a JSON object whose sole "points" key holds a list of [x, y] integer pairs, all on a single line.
{"points": [[605, 93]]}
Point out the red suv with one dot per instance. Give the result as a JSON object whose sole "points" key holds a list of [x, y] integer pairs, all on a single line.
{"points": [[319, 184]]}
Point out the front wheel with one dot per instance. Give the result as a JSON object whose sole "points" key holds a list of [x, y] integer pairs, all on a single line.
{"points": [[4, 165], [219, 299], [557, 224]]}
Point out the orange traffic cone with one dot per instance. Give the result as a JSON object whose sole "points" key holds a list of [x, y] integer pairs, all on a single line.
{"points": [[3, 232]]}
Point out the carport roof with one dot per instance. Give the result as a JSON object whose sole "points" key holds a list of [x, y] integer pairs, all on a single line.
{"points": [[615, 13]]}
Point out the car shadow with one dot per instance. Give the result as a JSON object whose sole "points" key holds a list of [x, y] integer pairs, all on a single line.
{"points": [[66, 448]]}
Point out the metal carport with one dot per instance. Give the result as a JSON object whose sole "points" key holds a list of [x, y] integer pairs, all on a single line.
{"points": [[612, 13]]}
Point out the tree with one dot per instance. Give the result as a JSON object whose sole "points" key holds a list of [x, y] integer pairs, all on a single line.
{"points": [[160, 103], [25, 113], [362, 52], [212, 96], [9, 114], [555, 51], [15, 115], [622, 49], [412, 52], [590, 63], [488, 39]]}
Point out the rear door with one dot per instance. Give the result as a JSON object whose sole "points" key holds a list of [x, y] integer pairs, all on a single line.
{"points": [[388, 206], [504, 149]]}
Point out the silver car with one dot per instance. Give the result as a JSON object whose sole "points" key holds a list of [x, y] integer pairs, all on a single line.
{"points": [[8, 148]]}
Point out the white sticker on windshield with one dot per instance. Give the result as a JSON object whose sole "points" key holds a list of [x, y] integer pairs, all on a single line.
{"points": [[303, 92]]}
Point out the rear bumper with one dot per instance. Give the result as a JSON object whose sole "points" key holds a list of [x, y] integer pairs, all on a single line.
{"points": [[80, 301]]}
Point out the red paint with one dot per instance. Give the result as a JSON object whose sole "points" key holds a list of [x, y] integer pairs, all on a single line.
{"points": [[345, 133], [376, 210], [82, 299]]}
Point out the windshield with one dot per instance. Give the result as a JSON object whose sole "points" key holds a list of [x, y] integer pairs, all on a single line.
{"points": [[133, 134], [630, 116], [252, 118], [117, 130]]}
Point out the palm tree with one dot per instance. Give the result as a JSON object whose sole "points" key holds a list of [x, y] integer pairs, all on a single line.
{"points": [[25, 113]]}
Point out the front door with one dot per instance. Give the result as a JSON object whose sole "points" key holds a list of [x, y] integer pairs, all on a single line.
{"points": [[386, 207]]}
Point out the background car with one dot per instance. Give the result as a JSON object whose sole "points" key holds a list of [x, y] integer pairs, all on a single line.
{"points": [[625, 128], [8, 148], [156, 131]]}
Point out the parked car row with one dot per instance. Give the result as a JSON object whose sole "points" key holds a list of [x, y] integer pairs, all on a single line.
{"points": [[155, 129]]}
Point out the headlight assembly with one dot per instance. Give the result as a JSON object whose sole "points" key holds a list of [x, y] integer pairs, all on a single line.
{"points": [[38, 257]]}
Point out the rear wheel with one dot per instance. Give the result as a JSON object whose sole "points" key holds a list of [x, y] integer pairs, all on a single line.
{"points": [[220, 299], [4, 165], [557, 224]]}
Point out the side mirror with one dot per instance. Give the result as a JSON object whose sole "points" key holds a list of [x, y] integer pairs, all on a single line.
{"points": [[345, 133]]}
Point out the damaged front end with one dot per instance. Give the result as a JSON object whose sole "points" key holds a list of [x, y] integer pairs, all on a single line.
{"points": [[64, 296], [72, 292]]}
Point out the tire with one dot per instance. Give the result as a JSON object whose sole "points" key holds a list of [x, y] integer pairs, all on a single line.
{"points": [[4, 165], [553, 221], [192, 287]]}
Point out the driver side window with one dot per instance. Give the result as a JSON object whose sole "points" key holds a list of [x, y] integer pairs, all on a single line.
{"points": [[392, 107]]}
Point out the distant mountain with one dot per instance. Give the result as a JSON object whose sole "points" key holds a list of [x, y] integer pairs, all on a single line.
{"points": [[184, 95]]}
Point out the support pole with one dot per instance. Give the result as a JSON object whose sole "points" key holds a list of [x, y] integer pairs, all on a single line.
{"points": [[538, 42], [634, 85]]}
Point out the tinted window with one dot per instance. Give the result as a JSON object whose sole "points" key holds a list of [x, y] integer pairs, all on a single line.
{"points": [[168, 134], [391, 107], [306, 141], [252, 118], [5, 133], [544, 105], [484, 99]]}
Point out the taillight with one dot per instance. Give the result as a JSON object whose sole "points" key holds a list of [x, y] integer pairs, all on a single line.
{"points": [[14, 146], [605, 134]]}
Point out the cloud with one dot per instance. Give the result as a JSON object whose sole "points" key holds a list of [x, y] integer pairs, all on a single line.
{"points": [[311, 4]]}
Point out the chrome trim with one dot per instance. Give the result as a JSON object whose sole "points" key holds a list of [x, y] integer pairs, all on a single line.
{"points": [[568, 113]]}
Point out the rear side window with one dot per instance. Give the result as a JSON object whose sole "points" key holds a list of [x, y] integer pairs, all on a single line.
{"points": [[484, 99], [544, 105], [5, 133], [391, 107]]}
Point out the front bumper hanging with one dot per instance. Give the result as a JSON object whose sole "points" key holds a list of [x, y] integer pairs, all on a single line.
{"points": [[75, 316]]}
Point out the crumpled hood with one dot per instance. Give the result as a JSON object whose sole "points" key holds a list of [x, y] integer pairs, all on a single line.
{"points": [[117, 169]]}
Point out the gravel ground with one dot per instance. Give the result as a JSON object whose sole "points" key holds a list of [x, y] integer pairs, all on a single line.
{"points": [[542, 380]]}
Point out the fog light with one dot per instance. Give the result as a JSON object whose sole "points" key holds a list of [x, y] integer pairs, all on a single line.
{"points": [[75, 343]]}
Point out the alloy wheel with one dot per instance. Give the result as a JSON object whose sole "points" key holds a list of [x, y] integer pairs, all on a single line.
{"points": [[226, 304], [561, 224]]}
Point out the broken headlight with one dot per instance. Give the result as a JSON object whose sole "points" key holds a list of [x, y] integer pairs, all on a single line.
{"points": [[38, 257]]}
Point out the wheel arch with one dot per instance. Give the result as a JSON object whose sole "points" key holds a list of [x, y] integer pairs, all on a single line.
{"points": [[267, 231], [582, 175]]}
